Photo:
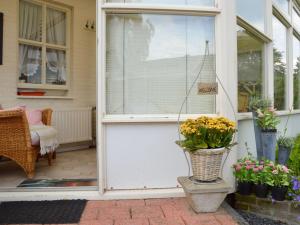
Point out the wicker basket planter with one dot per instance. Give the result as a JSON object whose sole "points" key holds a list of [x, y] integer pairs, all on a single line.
{"points": [[206, 163]]}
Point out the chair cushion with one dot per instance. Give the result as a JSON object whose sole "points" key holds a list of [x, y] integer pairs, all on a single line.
{"points": [[34, 116]]}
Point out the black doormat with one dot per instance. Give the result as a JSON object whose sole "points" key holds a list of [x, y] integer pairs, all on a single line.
{"points": [[43, 212]]}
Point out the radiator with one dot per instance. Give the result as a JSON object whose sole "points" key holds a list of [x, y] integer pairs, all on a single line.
{"points": [[73, 125]]}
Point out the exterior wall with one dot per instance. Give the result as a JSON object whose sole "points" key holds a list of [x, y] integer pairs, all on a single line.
{"points": [[83, 58]]}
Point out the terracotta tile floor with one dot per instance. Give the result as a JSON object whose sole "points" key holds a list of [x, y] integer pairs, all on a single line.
{"points": [[150, 212]]}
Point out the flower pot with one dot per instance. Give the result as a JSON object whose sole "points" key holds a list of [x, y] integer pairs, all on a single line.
{"points": [[279, 193], [257, 133], [268, 141], [245, 188], [283, 154], [206, 163], [261, 190]]}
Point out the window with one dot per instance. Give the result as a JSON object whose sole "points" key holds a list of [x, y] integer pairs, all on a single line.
{"points": [[280, 63], [296, 66], [168, 2], [283, 5], [43, 44], [253, 11], [296, 19], [250, 68], [152, 60]]}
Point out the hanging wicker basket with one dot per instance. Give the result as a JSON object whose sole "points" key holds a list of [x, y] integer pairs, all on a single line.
{"points": [[206, 163]]}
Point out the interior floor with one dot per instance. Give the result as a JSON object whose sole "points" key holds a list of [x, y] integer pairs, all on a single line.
{"points": [[80, 164]]}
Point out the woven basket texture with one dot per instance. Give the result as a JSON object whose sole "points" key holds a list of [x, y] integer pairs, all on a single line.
{"points": [[206, 164]]}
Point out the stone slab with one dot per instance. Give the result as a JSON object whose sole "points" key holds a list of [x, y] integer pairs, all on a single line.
{"points": [[204, 197], [193, 187]]}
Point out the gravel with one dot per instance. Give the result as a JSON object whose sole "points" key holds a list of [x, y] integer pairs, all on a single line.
{"points": [[253, 219]]}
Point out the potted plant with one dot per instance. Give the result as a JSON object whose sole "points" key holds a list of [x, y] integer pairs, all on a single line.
{"points": [[255, 104], [262, 178], [267, 120], [243, 171], [280, 182], [206, 140], [285, 146]]}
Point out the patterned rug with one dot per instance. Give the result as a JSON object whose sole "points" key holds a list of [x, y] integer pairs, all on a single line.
{"points": [[31, 183]]}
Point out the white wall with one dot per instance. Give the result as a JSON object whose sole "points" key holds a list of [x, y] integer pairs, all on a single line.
{"points": [[83, 58]]}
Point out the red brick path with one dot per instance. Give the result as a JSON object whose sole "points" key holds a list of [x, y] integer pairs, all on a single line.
{"points": [[149, 212]]}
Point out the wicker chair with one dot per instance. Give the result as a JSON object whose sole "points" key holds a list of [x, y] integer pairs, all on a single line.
{"points": [[15, 139]]}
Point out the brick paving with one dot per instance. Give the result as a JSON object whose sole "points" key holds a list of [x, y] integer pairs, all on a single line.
{"points": [[172, 211]]}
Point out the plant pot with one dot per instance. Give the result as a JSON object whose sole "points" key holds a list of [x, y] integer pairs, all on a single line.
{"points": [[279, 193], [257, 133], [268, 141], [261, 190], [283, 154], [245, 188], [206, 163]]}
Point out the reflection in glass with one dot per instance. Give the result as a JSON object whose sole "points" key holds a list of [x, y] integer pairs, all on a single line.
{"points": [[30, 21], [253, 11], [250, 68], [30, 62], [280, 66], [56, 67], [296, 19], [56, 27], [169, 2], [151, 61], [283, 5], [296, 66]]}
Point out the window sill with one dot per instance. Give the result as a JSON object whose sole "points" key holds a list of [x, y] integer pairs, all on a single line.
{"points": [[44, 97], [248, 115], [148, 118], [43, 86]]}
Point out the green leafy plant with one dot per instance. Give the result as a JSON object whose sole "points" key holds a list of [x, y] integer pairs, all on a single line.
{"points": [[259, 103], [262, 172], [283, 140], [207, 133], [294, 161], [281, 176], [267, 119], [243, 169], [286, 142]]}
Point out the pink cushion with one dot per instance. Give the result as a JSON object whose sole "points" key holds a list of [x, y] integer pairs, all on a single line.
{"points": [[34, 116]]}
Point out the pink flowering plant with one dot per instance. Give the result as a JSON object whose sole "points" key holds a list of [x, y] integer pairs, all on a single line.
{"points": [[243, 169], [262, 172], [281, 176]]}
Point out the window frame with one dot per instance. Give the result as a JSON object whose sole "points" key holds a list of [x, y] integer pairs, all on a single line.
{"points": [[44, 45], [256, 33], [125, 8]]}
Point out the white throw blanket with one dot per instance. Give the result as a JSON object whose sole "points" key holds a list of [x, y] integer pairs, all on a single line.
{"points": [[48, 138]]}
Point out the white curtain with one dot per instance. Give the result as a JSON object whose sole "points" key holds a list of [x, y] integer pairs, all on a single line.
{"points": [[56, 34], [30, 29]]}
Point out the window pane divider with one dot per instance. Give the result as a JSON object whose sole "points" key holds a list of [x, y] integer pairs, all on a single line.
{"points": [[145, 8], [30, 42], [44, 30], [251, 29], [56, 47], [296, 33], [282, 16]]}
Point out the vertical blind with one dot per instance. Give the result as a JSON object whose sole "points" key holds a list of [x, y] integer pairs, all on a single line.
{"points": [[152, 60]]}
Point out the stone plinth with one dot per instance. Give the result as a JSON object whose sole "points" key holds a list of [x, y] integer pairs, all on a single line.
{"points": [[204, 197]]}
